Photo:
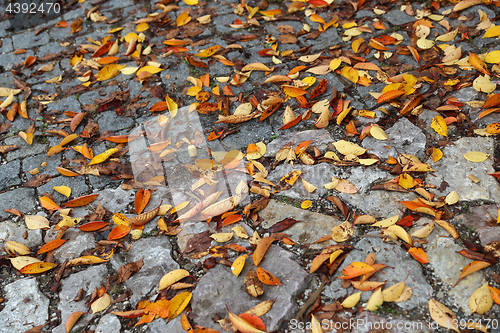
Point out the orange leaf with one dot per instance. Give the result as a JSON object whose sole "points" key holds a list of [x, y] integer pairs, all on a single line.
{"points": [[144, 218], [495, 294], [128, 314], [390, 95], [492, 101], [471, 268], [81, 201], [291, 123], [302, 147], [266, 277], [355, 269], [141, 200], [103, 49], [158, 107], [48, 204], [66, 172], [414, 53], [37, 267], [62, 24], [419, 255], [121, 138], [231, 219], [52, 245], [29, 61], [119, 231], [107, 60], [292, 91], [478, 63], [254, 321], [93, 226], [77, 119], [367, 66], [261, 249], [76, 26], [73, 318]]}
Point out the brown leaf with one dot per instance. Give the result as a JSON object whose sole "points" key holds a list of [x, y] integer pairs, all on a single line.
{"points": [[319, 89], [38, 180], [77, 119], [76, 26], [144, 218], [253, 285], [282, 225], [6, 148], [199, 242], [127, 270]]}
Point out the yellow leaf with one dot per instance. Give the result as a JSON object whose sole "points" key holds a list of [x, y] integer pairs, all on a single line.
{"points": [[476, 156], [21, 261], [335, 63], [172, 277], [18, 248], [209, 52], [191, 2], [351, 301], [28, 137], [346, 147], [238, 264], [492, 32], [481, 301], [401, 233], [448, 36], [109, 71], [310, 58], [256, 66], [378, 133], [129, 70], [356, 44], [350, 73], [150, 69], [178, 304], [101, 303], [111, 31], [442, 315], [492, 57], [439, 125], [484, 84], [104, 156], [405, 180], [36, 222], [452, 198], [437, 154], [64, 190], [142, 27], [316, 325], [172, 106], [376, 300], [393, 292], [222, 237], [183, 19], [386, 222], [7, 101]]}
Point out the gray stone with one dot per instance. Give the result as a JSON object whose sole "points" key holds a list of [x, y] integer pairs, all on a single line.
{"points": [[484, 219], [398, 17], [12, 231], [447, 264], [28, 39], [36, 161], [392, 256], [88, 280], [26, 306], [109, 323], [116, 200], [9, 174], [311, 227], [404, 137], [67, 104], [157, 262], [11, 199], [219, 287], [9, 60], [160, 325], [321, 139], [379, 204], [6, 44], [25, 150], [110, 121], [454, 169], [77, 185], [78, 241]]}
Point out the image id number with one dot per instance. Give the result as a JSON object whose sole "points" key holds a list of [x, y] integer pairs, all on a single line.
{"points": [[33, 8]]}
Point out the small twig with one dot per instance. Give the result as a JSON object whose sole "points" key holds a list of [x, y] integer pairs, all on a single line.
{"points": [[310, 301]]}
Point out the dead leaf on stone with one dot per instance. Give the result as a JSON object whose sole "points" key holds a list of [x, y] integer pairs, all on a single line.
{"points": [[38, 180], [253, 285], [127, 270]]}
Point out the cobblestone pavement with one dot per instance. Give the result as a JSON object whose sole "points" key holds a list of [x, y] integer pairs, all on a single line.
{"points": [[52, 65]]}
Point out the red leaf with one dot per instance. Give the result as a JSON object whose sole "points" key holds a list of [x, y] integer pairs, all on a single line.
{"points": [[93, 226]]}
